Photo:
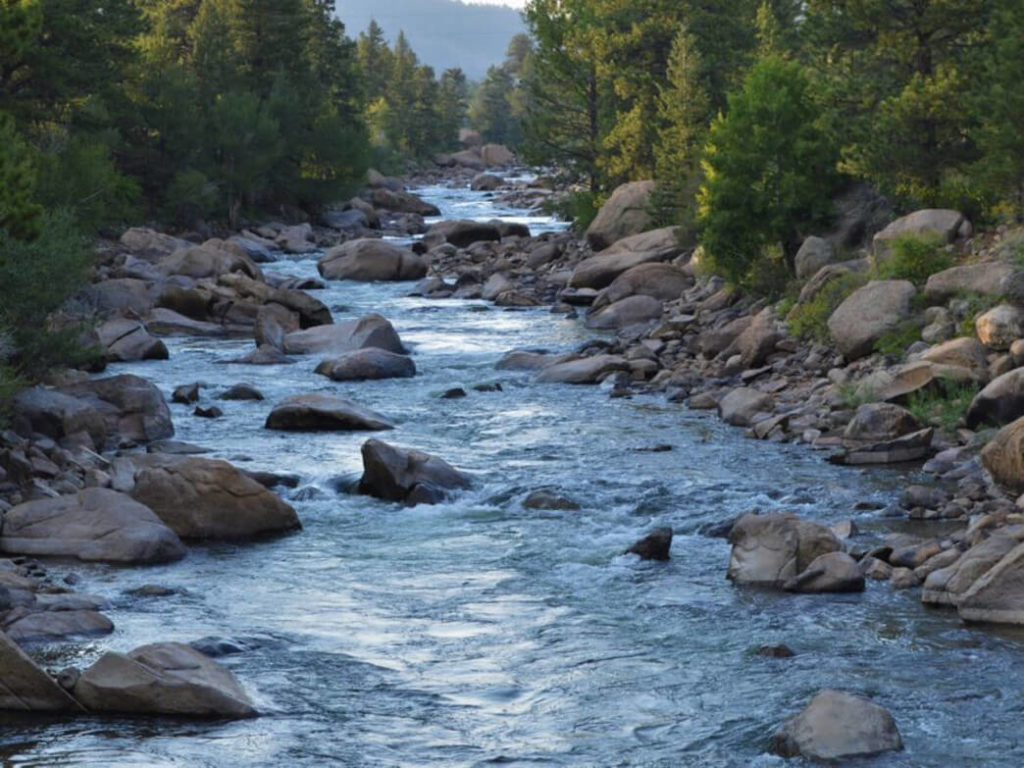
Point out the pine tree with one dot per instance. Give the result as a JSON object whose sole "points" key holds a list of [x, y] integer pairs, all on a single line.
{"points": [[452, 107], [375, 61]]}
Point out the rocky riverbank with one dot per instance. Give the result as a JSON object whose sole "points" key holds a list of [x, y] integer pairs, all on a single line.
{"points": [[91, 455]]}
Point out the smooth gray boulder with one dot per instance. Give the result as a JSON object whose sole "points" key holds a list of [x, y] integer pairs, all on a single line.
{"points": [[868, 314], [996, 597], [627, 212], [633, 310], [371, 330], [369, 260], [95, 524], [665, 282], [831, 572], [838, 725], [768, 550], [601, 270], [999, 403], [999, 327], [587, 370], [128, 341], [814, 253], [162, 679]]}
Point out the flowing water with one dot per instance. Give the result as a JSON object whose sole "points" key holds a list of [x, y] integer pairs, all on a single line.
{"points": [[477, 632]]}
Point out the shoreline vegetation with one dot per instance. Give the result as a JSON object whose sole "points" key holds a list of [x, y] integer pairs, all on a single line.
{"points": [[804, 221]]}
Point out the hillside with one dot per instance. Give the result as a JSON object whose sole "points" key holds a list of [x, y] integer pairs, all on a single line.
{"points": [[444, 33]]}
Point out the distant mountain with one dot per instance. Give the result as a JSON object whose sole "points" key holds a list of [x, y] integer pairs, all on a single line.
{"points": [[444, 33]]}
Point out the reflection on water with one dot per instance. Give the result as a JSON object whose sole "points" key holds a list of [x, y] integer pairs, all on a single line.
{"points": [[476, 632]]}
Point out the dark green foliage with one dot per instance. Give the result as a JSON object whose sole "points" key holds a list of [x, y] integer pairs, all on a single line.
{"points": [[19, 213], [809, 319], [943, 405], [768, 171], [893, 343], [914, 258]]}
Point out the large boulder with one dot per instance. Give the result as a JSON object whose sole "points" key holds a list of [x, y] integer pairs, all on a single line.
{"points": [[877, 423], [769, 550], [27, 688], [831, 572], [57, 415], [162, 679], [1001, 402], [399, 474], [868, 313], [1003, 456], [742, 404], [368, 331], [370, 363], [964, 352], [128, 341], [586, 370], [942, 224], [838, 725], [462, 233], [601, 270], [202, 498], [665, 282], [403, 202], [317, 413], [312, 312], [57, 626], [996, 597], [142, 241], [134, 409], [627, 212], [946, 586], [211, 259], [756, 341], [633, 310], [469, 158], [368, 259], [901, 381], [814, 253], [497, 156], [95, 524], [999, 327], [987, 278], [167, 322], [273, 323], [119, 296]]}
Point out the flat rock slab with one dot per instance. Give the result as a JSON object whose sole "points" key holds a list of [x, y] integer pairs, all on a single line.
{"points": [[51, 626], [324, 413], [96, 524], [163, 679]]}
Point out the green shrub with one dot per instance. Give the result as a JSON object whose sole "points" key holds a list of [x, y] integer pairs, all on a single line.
{"points": [[809, 320], [970, 306], [914, 258], [578, 206], [942, 406], [893, 343]]}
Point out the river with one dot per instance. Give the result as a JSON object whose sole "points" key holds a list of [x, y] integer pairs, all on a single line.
{"points": [[478, 633]]}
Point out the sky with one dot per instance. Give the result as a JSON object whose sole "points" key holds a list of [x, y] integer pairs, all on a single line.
{"points": [[509, 3]]}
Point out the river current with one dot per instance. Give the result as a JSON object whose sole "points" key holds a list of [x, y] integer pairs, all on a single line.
{"points": [[478, 633]]}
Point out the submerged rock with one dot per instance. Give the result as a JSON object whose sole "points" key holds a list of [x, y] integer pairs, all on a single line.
{"points": [[324, 413], [653, 546], [838, 725], [370, 363]]}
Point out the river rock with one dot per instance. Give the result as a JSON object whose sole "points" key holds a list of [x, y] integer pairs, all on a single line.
{"points": [[128, 341], [186, 394], [653, 546], [999, 327], [240, 392], [57, 626], [162, 679], [831, 572], [133, 408], [1003, 456], [370, 363], [742, 404], [262, 355], [368, 259], [756, 341], [120, 295], [403, 202], [201, 498], [633, 310], [601, 270], [311, 311], [769, 550], [167, 322], [211, 259], [942, 224], [58, 415], [868, 313], [273, 323], [469, 158], [814, 253], [367, 331], [545, 498], [315, 413], [27, 688], [627, 212], [965, 352], [485, 182], [400, 474], [986, 278], [142, 241], [838, 725], [95, 524], [1001, 402], [665, 282], [901, 381], [996, 597], [946, 586], [497, 155], [587, 370], [524, 360]]}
